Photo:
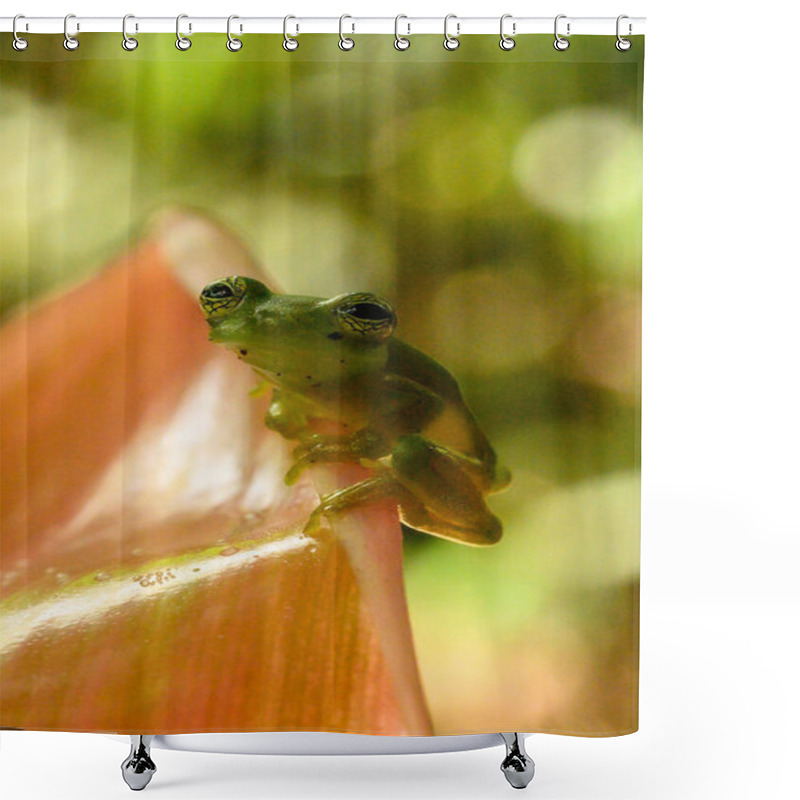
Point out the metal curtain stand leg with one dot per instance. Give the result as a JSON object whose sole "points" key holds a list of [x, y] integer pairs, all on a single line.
{"points": [[138, 768], [517, 766]]}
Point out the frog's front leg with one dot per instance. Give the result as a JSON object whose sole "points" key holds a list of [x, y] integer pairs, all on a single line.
{"points": [[433, 489], [396, 404], [366, 443]]}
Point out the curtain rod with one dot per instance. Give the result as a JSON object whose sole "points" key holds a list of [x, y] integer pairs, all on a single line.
{"points": [[406, 26]]}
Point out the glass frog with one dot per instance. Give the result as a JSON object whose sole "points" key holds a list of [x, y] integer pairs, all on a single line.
{"points": [[397, 410]]}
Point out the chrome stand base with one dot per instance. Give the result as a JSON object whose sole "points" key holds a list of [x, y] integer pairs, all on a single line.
{"points": [[517, 766], [138, 768]]}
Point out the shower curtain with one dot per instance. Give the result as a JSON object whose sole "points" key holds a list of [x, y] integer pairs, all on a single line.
{"points": [[182, 424]]}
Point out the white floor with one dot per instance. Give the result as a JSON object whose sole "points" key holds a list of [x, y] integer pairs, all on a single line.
{"points": [[720, 692]]}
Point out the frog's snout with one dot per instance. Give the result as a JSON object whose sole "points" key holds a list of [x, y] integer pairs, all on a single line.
{"points": [[221, 297]]}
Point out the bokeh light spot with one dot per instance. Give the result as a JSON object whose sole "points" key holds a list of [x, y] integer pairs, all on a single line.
{"points": [[494, 318], [606, 344], [441, 159], [580, 164]]}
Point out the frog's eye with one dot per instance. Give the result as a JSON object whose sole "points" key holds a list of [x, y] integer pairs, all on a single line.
{"points": [[222, 296], [218, 291], [366, 314]]}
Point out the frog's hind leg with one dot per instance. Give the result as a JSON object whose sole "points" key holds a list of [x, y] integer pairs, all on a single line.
{"points": [[444, 500], [371, 490], [435, 493], [423, 521]]}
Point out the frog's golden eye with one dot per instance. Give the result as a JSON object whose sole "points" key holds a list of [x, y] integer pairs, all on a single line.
{"points": [[368, 315], [222, 296]]}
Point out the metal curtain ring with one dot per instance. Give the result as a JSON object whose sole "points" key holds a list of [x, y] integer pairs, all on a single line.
{"points": [[289, 43], [400, 42], [623, 44], [506, 42], [450, 42], [128, 42], [181, 42], [70, 42], [233, 44], [560, 43], [18, 43], [345, 42]]}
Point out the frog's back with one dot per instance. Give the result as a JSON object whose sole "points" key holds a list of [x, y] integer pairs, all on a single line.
{"points": [[407, 361], [455, 427]]}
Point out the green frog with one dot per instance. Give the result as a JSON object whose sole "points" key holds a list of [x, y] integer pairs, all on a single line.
{"points": [[388, 405]]}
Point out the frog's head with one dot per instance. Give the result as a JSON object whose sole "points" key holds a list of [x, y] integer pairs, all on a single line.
{"points": [[286, 335], [233, 302]]}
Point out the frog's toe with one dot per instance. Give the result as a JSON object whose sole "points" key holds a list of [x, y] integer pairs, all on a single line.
{"points": [[296, 470], [314, 522]]}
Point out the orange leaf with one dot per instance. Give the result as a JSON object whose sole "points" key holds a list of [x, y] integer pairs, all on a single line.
{"points": [[155, 573]]}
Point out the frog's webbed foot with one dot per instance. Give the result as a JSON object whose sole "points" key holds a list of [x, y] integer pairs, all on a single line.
{"points": [[365, 444], [370, 490]]}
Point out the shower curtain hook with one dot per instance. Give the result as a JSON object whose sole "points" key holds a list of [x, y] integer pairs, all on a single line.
{"points": [[289, 44], [450, 42], [623, 44], [70, 42], [345, 42], [181, 42], [233, 44], [128, 42], [18, 43], [507, 42], [400, 42], [560, 43]]}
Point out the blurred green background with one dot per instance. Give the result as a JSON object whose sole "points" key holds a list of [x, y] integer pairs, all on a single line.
{"points": [[494, 197]]}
